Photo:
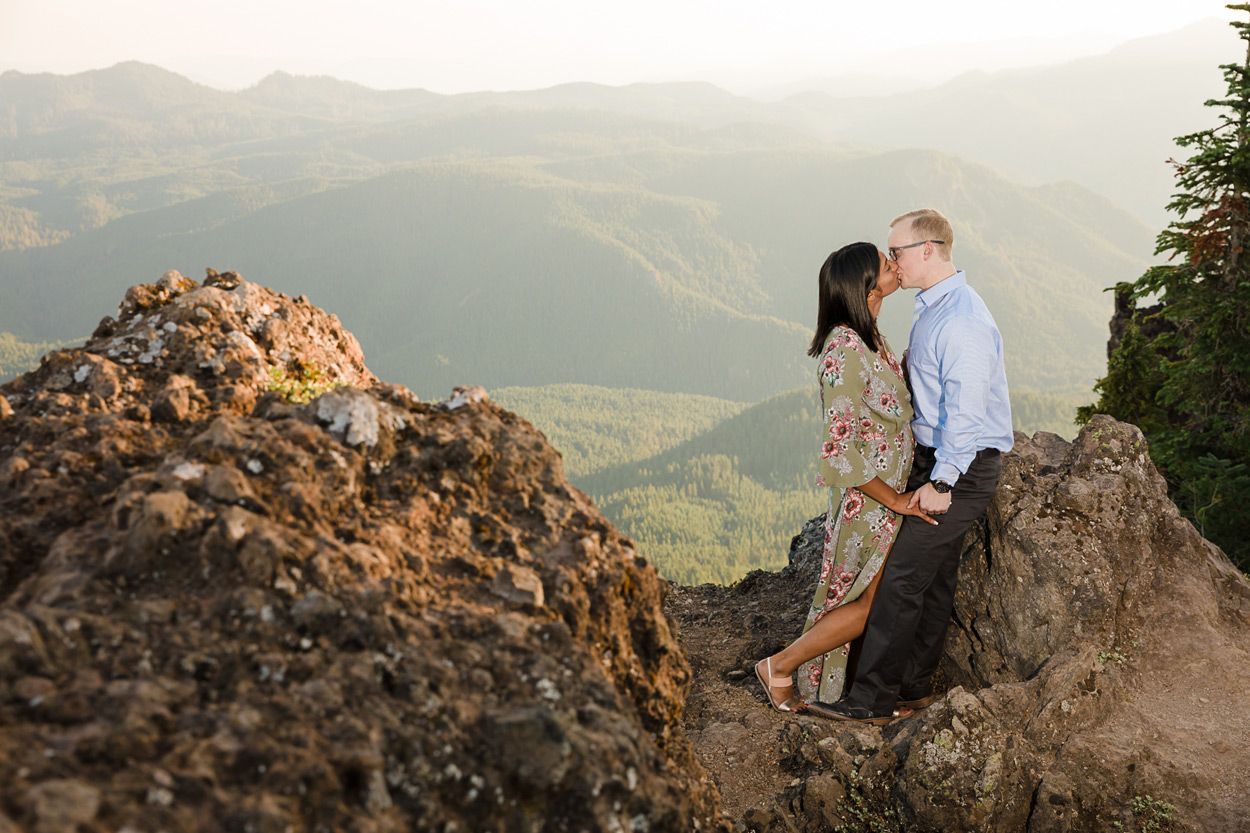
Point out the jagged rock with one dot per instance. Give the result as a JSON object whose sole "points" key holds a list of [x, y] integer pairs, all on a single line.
{"points": [[466, 395], [1097, 655], [356, 418], [62, 804], [220, 609], [519, 584], [175, 401]]}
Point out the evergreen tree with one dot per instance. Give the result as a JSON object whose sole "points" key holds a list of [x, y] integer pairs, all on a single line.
{"points": [[1181, 370]]}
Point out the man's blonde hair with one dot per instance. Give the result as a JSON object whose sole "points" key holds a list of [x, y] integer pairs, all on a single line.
{"points": [[930, 224]]}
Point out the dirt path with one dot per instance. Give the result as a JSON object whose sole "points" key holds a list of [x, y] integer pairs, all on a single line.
{"points": [[742, 742], [1190, 716]]}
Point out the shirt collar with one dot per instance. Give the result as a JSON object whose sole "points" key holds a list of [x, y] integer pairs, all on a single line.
{"points": [[928, 297]]}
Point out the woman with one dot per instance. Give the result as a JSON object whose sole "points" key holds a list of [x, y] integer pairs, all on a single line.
{"points": [[864, 461]]}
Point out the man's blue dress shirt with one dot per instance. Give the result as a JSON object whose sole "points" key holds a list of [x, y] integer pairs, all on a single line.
{"points": [[959, 386]]}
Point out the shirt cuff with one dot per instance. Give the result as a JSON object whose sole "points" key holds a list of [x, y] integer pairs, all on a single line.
{"points": [[945, 471]]}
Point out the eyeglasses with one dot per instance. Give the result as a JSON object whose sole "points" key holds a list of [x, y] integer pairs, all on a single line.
{"points": [[894, 250]]}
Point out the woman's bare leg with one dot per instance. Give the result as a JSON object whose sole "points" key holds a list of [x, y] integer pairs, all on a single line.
{"points": [[837, 627]]}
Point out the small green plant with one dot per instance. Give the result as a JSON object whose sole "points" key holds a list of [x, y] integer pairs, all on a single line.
{"points": [[863, 817], [1151, 814], [1114, 655], [311, 382]]}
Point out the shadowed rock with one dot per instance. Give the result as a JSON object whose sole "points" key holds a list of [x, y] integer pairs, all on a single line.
{"points": [[1096, 664]]}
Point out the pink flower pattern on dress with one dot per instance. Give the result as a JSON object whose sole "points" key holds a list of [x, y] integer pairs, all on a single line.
{"points": [[831, 368], [841, 428], [851, 504], [867, 412]]}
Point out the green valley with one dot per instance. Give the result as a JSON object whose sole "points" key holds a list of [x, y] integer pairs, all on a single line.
{"points": [[18, 357], [719, 501], [597, 428]]}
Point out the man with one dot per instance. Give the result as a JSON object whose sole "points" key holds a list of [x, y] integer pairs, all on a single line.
{"points": [[962, 425]]}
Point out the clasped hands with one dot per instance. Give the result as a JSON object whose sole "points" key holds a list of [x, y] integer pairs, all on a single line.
{"points": [[920, 503], [923, 502]]}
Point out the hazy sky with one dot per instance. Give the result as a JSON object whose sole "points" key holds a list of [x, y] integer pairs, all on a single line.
{"points": [[460, 45]]}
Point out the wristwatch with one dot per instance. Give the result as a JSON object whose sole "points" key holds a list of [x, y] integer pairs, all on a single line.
{"points": [[941, 486]]}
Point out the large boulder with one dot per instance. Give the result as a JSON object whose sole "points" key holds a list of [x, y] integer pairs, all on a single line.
{"points": [[1094, 673], [222, 609]]}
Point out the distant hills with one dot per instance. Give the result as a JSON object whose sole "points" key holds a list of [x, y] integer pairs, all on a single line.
{"points": [[502, 273], [511, 246], [1106, 122], [130, 105], [632, 266]]}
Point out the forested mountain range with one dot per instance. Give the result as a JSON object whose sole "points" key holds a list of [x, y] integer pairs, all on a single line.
{"points": [[1105, 121], [661, 240], [510, 247]]}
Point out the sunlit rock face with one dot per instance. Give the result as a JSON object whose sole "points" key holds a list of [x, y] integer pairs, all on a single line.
{"points": [[221, 609]]}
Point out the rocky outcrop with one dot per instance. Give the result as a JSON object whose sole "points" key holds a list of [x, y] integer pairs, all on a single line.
{"points": [[244, 585], [223, 609], [1094, 671]]}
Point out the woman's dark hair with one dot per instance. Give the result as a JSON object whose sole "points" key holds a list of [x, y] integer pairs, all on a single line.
{"points": [[845, 280]]}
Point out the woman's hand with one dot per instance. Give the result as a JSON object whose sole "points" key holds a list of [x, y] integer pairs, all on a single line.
{"points": [[908, 505], [883, 493]]}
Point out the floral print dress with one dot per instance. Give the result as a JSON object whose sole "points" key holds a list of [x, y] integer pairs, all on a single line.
{"points": [[867, 419]]}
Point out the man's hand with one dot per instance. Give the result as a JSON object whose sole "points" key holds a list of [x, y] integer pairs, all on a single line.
{"points": [[930, 501]]}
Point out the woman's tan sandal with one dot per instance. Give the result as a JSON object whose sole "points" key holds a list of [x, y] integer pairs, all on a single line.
{"points": [[919, 703], [845, 710], [764, 671]]}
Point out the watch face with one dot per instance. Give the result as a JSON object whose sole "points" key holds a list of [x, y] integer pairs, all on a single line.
{"points": [[941, 486]]}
